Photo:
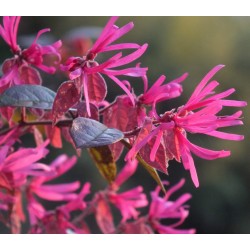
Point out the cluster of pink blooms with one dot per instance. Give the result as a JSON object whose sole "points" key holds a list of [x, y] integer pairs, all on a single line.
{"points": [[26, 182]]}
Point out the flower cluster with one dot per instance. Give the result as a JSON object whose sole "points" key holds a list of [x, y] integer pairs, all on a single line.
{"points": [[81, 112]]}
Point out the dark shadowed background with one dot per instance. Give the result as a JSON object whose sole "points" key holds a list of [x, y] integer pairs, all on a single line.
{"points": [[177, 45]]}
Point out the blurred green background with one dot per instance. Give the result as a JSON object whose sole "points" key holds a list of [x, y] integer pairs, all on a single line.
{"points": [[177, 45]]}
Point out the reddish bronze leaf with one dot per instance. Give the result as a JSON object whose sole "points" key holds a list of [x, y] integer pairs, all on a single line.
{"points": [[82, 110], [54, 134], [172, 145], [137, 227], [68, 95], [123, 116], [5, 183], [103, 215], [7, 113], [97, 88], [8, 65], [161, 160], [29, 75]]}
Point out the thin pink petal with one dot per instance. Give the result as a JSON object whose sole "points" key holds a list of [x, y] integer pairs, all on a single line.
{"points": [[86, 93], [226, 136], [204, 81], [156, 146]]}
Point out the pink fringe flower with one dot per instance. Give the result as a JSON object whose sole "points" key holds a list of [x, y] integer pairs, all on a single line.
{"points": [[159, 91], [198, 115], [163, 208], [127, 201], [86, 69], [51, 192], [58, 221], [19, 70]]}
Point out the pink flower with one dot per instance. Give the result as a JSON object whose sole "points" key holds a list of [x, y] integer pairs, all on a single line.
{"points": [[163, 208], [127, 201], [172, 127], [18, 70], [59, 220], [15, 167], [86, 68], [159, 92], [51, 192]]}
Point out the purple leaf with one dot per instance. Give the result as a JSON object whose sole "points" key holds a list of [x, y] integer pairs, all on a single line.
{"points": [[88, 133], [161, 160], [104, 216], [172, 145], [8, 65], [82, 110], [67, 96], [29, 96], [97, 88], [137, 227], [29, 75], [123, 116]]}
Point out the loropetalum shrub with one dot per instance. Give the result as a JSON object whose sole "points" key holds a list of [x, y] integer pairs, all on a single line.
{"points": [[80, 112]]}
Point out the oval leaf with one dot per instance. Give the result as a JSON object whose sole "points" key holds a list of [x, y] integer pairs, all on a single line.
{"points": [[123, 116], [104, 161], [29, 75], [103, 215], [97, 88], [161, 159], [82, 110], [29, 96], [68, 94], [88, 133]]}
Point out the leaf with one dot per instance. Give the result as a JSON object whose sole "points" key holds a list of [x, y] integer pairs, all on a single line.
{"points": [[161, 159], [123, 116], [8, 65], [136, 227], [149, 168], [172, 145], [29, 96], [152, 172], [82, 110], [29, 75], [104, 161], [7, 113], [88, 133], [103, 215], [54, 134], [68, 94], [5, 181], [97, 88]]}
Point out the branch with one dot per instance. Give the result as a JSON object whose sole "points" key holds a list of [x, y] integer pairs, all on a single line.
{"points": [[61, 123]]}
